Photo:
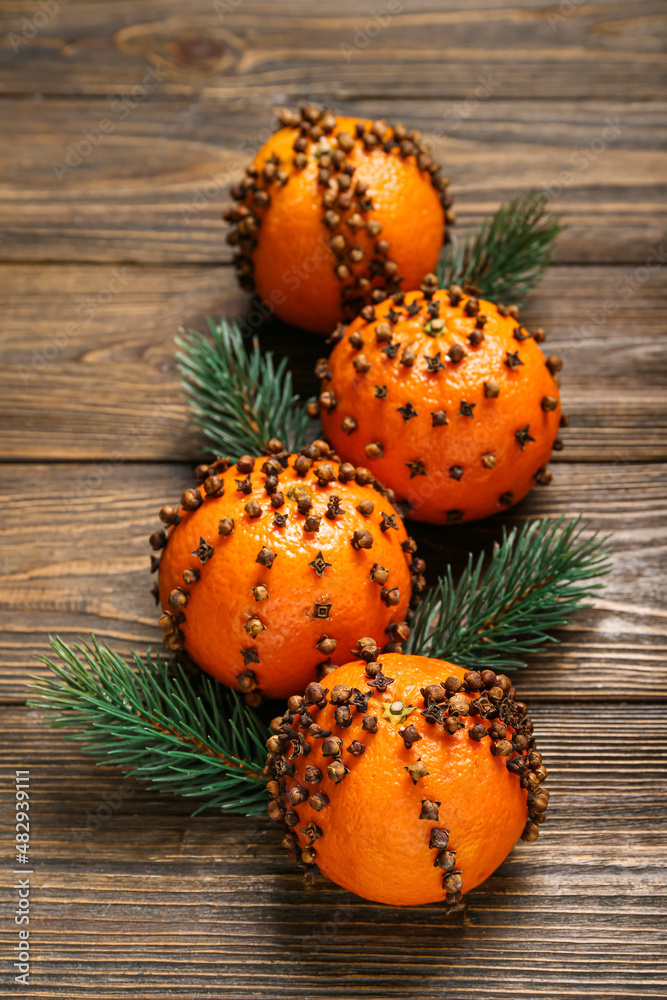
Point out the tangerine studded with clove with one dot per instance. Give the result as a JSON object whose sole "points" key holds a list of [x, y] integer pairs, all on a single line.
{"points": [[272, 566], [334, 212], [423, 804], [470, 408]]}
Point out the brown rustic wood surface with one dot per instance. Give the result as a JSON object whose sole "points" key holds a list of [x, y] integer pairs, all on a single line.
{"points": [[99, 268]]}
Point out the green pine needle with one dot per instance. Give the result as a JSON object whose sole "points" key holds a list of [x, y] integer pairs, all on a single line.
{"points": [[510, 252], [196, 739], [193, 737], [535, 581], [240, 398]]}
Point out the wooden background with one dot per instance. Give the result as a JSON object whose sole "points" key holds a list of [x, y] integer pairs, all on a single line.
{"points": [[98, 269]]}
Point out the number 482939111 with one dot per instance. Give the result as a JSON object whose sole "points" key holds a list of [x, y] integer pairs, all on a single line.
{"points": [[22, 819]]}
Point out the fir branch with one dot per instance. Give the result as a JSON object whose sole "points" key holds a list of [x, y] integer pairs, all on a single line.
{"points": [[509, 254], [536, 579], [193, 739], [240, 398]]}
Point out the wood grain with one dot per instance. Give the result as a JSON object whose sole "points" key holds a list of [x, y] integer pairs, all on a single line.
{"points": [[155, 901], [86, 373], [98, 271], [77, 560], [151, 188], [426, 50]]}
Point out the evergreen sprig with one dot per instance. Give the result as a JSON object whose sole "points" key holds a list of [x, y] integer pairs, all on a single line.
{"points": [[535, 580], [193, 739], [241, 398], [510, 252]]}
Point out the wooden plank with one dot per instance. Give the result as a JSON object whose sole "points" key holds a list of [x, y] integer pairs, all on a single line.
{"points": [[140, 898], [132, 896], [86, 372], [76, 558], [426, 49], [102, 358], [151, 188]]}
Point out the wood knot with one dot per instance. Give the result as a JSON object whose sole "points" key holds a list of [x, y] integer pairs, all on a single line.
{"points": [[201, 51]]}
